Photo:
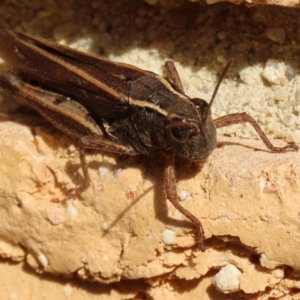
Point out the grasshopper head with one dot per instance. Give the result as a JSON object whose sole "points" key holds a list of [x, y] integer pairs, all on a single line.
{"points": [[190, 131]]}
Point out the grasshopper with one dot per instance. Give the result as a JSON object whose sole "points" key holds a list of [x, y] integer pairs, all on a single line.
{"points": [[116, 107]]}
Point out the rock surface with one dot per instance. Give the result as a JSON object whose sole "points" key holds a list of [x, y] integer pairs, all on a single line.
{"points": [[247, 201]]}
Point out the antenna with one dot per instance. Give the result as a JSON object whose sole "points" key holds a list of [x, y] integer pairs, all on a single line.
{"points": [[217, 86]]}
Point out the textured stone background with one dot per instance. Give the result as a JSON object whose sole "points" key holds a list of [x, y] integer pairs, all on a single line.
{"points": [[122, 228]]}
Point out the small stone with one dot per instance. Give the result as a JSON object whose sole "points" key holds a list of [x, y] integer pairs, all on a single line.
{"points": [[43, 260], [293, 137], [249, 75], [276, 34], [280, 95], [169, 237], [227, 280], [274, 72], [71, 211], [184, 194]]}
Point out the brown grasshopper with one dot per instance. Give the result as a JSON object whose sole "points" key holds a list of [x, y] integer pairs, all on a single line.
{"points": [[116, 107]]}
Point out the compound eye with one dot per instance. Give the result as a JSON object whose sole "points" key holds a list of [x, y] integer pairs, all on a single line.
{"points": [[180, 134]]}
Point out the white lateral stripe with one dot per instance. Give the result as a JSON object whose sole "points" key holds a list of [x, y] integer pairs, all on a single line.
{"points": [[167, 84], [83, 74], [155, 107], [142, 103]]}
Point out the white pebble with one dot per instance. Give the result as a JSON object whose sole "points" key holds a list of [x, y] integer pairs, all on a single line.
{"points": [[169, 237], [227, 280], [249, 75], [104, 171], [274, 71], [43, 260], [278, 273], [183, 195], [71, 211], [105, 226]]}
